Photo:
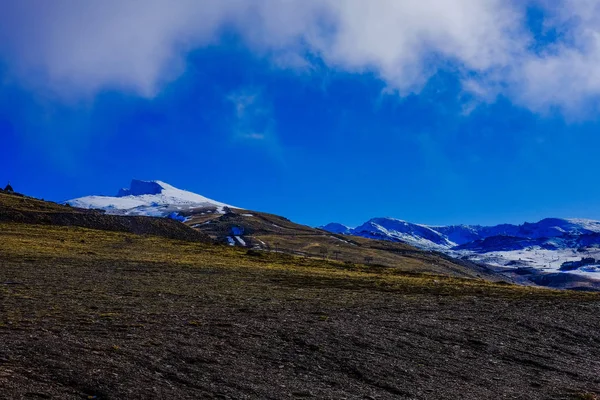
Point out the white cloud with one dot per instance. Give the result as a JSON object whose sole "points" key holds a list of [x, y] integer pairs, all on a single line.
{"points": [[253, 124], [253, 116], [78, 48], [405, 42], [254, 136], [565, 74], [86, 46]]}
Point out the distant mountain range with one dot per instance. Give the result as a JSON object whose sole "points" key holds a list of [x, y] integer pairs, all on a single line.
{"points": [[463, 236], [544, 245]]}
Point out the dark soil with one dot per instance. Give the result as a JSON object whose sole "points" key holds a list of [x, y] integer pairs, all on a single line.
{"points": [[105, 330]]}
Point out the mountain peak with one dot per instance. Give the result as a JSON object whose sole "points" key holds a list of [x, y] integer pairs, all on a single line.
{"points": [[140, 188], [334, 227]]}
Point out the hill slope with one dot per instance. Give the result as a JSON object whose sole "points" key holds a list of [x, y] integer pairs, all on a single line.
{"points": [[263, 231]]}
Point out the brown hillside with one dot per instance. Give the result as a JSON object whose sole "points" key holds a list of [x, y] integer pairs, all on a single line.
{"points": [[274, 233]]}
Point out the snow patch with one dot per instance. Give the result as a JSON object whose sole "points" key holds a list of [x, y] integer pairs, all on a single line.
{"points": [[177, 217], [544, 260], [341, 240]]}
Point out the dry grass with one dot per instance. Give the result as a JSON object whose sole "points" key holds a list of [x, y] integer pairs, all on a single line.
{"points": [[72, 245], [23, 203]]}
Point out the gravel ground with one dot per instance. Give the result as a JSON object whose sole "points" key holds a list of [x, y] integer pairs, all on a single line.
{"points": [[106, 330]]}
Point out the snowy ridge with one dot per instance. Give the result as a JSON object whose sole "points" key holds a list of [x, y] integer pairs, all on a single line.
{"points": [[149, 198], [397, 230]]}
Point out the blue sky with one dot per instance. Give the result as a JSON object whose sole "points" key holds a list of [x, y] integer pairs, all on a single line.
{"points": [[448, 129]]}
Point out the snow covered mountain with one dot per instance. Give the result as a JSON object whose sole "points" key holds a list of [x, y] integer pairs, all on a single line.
{"points": [[543, 245], [150, 198]]}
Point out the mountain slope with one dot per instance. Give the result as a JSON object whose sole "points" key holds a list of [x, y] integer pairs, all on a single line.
{"points": [[26, 210]]}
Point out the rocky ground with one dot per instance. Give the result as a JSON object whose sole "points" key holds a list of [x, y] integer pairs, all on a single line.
{"points": [[80, 321]]}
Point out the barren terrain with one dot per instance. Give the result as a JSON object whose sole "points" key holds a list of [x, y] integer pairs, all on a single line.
{"points": [[107, 315]]}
